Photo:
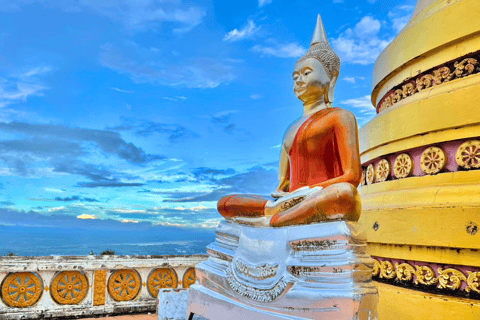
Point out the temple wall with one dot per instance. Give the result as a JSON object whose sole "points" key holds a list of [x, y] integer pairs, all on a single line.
{"points": [[50, 287]]}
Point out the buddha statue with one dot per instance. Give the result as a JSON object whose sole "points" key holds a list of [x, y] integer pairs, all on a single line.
{"points": [[320, 166]]}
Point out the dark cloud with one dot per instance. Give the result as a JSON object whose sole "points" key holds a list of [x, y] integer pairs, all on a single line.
{"points": [[144, 128], [222, 117], [256, 181], [274, 164], [111, 184], [229, 127], [76, 198], [42, 146], [6, 203], [43, 138], [204, 173], [101, 177]]}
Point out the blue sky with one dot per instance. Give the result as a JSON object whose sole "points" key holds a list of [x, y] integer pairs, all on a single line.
{"points": [[148, 111]]}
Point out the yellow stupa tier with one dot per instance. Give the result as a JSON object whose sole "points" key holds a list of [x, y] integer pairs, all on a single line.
{"points": [[421, 161]]}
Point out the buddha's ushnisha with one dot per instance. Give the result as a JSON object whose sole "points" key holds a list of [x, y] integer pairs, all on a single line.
{"points": [[319, 163]]}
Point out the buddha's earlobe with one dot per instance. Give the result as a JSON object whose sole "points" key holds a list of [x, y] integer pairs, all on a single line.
{"points": [[331, 88]]}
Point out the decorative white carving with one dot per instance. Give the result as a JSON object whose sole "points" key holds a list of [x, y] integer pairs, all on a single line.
{"points": [[255, 271], [261, 295]]}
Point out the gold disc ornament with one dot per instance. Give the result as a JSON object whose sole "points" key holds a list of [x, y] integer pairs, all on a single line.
{"points": [[189, 278], [403, 166], [162, 278], [69, 287], [370, 174], [383, 170], [124, 285], [433, 160], [21, 289], [468, 155]]}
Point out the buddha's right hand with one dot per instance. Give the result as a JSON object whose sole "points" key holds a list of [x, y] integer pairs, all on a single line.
{"points": [[277, 194]]}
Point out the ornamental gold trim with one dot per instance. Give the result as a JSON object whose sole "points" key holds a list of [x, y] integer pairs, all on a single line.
{"points": [[99, 287], [404, 271], [189, 278], [387, 270], [161, 278], [124, 285], [433, 160], [383, 170], [376, 268], [461, 68], [69, 287], [468, 154], [370, 174], [473, 281], [22, 289], [425, 275], [403, 166], [449, 279]]}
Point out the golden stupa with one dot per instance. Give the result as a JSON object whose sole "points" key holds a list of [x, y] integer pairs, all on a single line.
{"points": [[420, 157]]}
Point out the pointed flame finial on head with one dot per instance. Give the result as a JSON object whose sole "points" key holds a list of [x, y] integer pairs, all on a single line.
{"points": [[319, 36], [320, 49]]}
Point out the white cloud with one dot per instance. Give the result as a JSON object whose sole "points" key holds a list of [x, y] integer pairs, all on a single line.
{"points": [[247, 32], [263, 3], [35, 71], [352, 79], [129, 221], [198, 208], [87, 216], [177, 98], [256, 96], [133, 14], [121, 90], [54, 209], [123, 210], [18, 87], [192, 73], [54, 190], [362, 108], [400, 16], [289, 50], [361, 44]]}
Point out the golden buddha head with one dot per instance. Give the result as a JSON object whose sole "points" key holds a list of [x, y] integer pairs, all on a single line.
{"points": [[316, 73]]}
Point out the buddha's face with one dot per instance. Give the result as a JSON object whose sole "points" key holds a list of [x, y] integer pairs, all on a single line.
{"points": [[310, 80]]}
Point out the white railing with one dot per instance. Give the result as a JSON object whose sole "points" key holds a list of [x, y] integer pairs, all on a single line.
{"points": [[38, 287]]}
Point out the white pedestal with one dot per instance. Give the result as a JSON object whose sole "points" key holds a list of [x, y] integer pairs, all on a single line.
{"points": [[317, 271], [172, 304]]}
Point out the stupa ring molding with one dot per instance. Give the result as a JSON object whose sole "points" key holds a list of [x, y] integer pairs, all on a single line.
{"points": [[459, 68], [454, 280], [462, 155]]}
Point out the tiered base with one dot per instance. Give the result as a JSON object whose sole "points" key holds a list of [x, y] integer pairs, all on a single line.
{"points": [[318, 271]]}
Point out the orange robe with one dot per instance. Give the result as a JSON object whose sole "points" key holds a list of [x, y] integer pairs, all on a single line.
{"points": [[314, 156], [322, 154]]}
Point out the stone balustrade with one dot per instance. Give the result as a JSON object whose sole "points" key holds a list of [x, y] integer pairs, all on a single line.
{"points": [[82, 286]]}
